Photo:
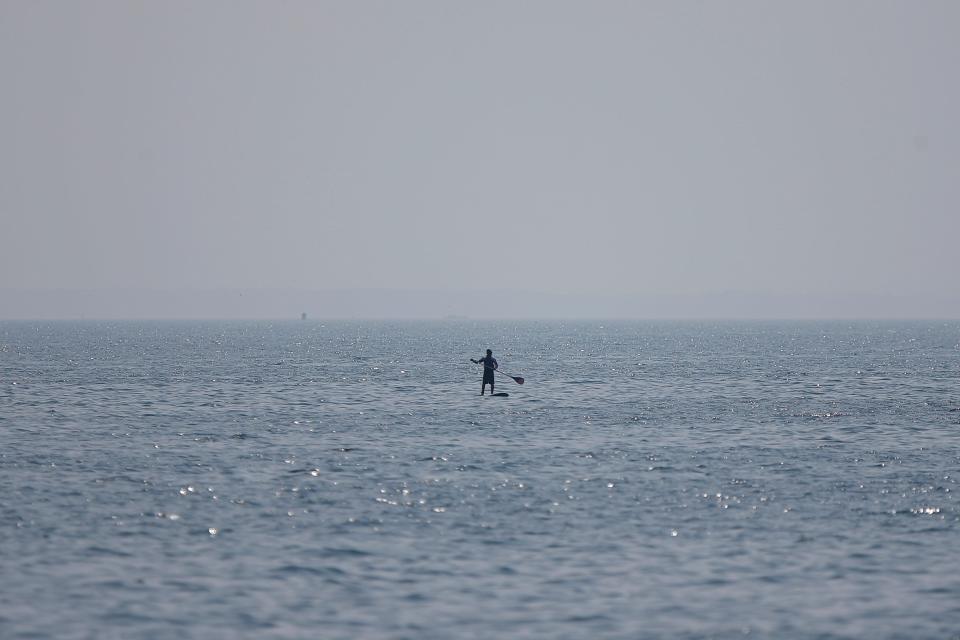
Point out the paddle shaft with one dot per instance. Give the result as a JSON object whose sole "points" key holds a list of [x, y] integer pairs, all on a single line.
{"points": [[517, 379]]}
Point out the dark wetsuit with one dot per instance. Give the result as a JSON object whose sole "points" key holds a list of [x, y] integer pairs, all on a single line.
{"points": [[487, 363]]}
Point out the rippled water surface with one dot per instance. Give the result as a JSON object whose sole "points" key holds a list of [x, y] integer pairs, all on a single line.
{"points": [[346, 480]]}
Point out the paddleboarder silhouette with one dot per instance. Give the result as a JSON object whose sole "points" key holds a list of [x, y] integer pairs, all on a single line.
{"points": [[489, 366]]}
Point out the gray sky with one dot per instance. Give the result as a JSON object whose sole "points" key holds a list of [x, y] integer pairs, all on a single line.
{"points": [[560, 147]]}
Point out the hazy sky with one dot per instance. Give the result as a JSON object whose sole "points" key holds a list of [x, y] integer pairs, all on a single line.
{"points": [[610, 147]]}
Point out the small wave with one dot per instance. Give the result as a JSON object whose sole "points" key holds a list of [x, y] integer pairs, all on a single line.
{"points": [[293, 569], [344, 552], [592, 617], [107, 551]]}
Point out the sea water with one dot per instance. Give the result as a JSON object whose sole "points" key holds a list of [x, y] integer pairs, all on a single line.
{"points": [[347, 480]]}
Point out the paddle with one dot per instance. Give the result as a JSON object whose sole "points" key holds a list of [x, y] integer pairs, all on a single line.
{"points": [[516, 379]]}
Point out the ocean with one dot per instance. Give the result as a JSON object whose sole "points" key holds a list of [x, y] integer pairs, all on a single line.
{"points": [[346, 480]]}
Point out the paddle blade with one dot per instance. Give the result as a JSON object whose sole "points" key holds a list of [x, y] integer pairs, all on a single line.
{"points": [[518, 379]]}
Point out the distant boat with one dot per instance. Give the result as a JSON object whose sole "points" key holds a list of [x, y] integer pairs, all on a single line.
{"points": [[303, 316]]}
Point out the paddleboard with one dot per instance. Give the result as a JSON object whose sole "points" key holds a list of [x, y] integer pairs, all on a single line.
{"points": [[499, 395]]}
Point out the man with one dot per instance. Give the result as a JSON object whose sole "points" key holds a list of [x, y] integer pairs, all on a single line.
{"points": [[489, 365]]}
